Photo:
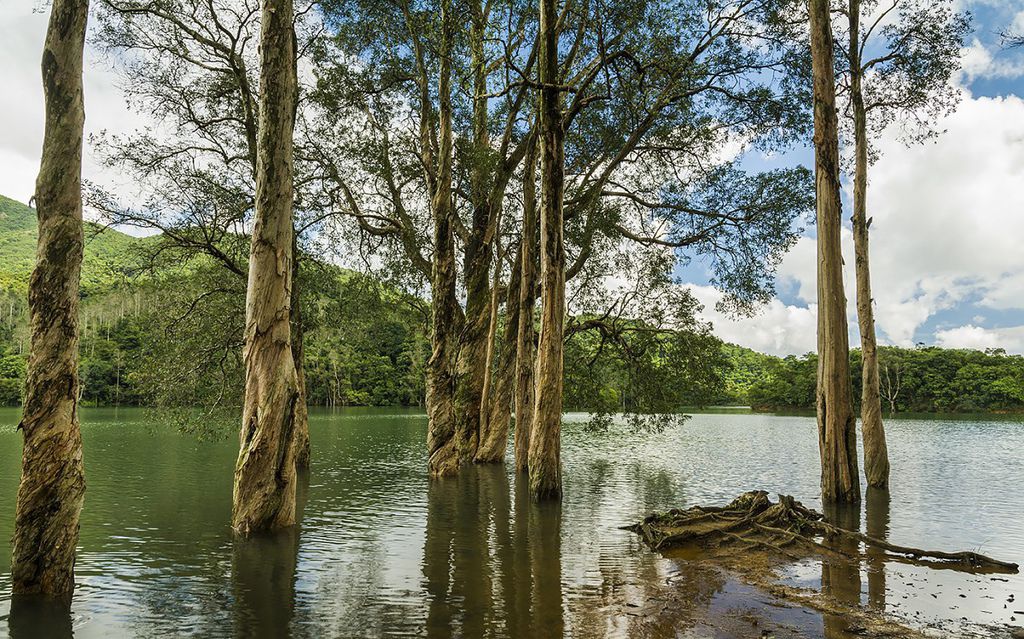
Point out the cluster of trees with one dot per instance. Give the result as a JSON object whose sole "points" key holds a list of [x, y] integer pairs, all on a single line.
{"points": [[535, 171], [923, 379], [365, 343], [892, 62]]}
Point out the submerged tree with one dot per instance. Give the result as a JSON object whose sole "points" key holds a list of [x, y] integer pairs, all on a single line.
{"points": [[525, 357], [264, 492], [448, 444], [52, 486], [190, 65], [898, 72], [545, 445], [649, 106], [837, 434]]}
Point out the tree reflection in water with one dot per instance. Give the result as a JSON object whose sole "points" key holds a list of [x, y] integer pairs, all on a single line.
{"points": [[877, 511], [263, 577], [840, 578], [491, 567], [34, 617]]}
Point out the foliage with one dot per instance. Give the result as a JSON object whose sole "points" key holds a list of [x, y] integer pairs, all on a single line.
{"points": [[923, 379]]}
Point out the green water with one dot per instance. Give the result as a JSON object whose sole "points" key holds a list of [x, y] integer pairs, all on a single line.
{"points": [[382, 551]]}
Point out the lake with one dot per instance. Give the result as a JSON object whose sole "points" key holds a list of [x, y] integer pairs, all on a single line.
{"points": [[382, 551]]}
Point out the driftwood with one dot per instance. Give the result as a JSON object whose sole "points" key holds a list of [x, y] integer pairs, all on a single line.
{"points": [[787, 528]]}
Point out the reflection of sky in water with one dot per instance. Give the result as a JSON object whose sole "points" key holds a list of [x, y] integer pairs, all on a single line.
{"points": [[383, 551]]}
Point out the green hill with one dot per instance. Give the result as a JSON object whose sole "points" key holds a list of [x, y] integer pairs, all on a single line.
{"points": [[107, 252]]}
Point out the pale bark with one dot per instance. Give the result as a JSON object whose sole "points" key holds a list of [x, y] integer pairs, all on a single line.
{"points": [[443, 444], [876, 454], [52, 484], [837, 435], [492, 334], [299, 355], [526, 348], [264, 491], [494, 436], [545, 436], [471, 366]]}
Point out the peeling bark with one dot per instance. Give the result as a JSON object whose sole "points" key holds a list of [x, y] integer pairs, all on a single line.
{"points": [[443, 447], [837, 434], [299, 355], [492, 338], [494, 437], [876, 454], [526, 348], [52, 486], [264, 491], [471, 366], [545, 436]]}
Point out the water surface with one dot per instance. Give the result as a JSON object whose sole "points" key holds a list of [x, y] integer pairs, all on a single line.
{"points": [[382, 551]]}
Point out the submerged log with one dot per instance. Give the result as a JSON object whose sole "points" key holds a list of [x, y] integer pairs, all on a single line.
{"points": [[787, 528]]}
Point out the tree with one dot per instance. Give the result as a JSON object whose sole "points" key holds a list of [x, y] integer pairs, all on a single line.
{"points": [[52, 487], [837, 436], [545, 446], [449, 443], [525, 355], [653, 103], [897, 69], [264, 492], [189, 67]]}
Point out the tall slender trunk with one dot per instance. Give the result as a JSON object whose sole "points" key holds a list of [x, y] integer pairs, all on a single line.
{"points": [[876, 454], [52, 484], [299, 355], [526, 348], [494, 440], [492, 335], [545, 437], [837, 434], [472, 358], [443, 446], [264, 491]]}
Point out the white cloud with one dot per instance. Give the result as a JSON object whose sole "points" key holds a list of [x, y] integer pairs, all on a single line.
{"points": [[1017, 26], [21, 102], [971, 336], [947, 222], [778, 329], [978, 61]]}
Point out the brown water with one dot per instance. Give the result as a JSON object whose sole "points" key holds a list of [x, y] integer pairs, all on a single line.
{"points": [[382, 551]]}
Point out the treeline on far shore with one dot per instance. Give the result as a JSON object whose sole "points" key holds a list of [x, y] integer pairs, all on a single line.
{"points": [[921, 379], [366, 345]]}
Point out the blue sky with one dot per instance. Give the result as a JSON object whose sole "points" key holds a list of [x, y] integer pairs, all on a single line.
{"points": [[948, 236]]}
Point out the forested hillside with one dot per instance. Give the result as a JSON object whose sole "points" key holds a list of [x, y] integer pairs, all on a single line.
{"points": [[168, 332], [162, 329], [162, 326]]}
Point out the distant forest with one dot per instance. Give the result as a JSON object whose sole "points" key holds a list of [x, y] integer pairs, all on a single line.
{"points": [[159, 331]]}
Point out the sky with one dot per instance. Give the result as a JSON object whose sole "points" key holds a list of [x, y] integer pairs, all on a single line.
{"points": [[947, 240]]}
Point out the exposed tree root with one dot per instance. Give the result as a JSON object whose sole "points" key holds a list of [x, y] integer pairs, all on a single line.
{"points": [[786, 528]]}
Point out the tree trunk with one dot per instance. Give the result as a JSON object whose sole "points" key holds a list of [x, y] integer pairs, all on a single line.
{"points": [[486, 396], [442, 444], [545, 444], [472, 358], [52, 484], [264, 492], [299, 355], [876, 454], [526, 348], [494, 439], [837, 435]]}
